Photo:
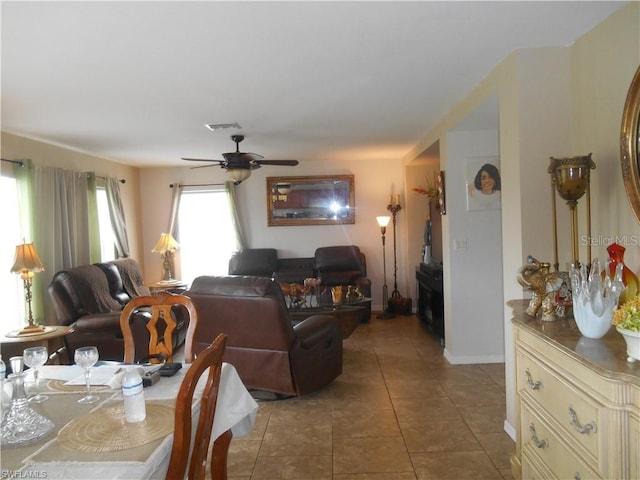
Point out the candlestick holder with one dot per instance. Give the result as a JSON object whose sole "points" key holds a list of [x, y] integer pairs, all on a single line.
{"points": [[383, 221], [393, 210]]}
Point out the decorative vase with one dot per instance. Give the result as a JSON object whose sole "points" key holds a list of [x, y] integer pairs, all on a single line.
{"points": [[632, 339], [336, 295], [594, 299], [629, 279]]}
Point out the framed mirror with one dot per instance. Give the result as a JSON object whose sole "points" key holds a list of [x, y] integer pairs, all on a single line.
{"points": [[312, 200], [630, 144]]}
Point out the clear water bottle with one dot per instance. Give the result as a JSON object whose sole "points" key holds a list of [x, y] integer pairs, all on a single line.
{"points": [[132, 391]]}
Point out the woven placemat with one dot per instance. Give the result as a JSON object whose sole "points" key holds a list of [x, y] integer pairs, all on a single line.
{"points": [[59, 386], [106, 430]]}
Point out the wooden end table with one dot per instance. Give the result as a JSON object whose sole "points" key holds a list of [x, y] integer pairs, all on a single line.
{"points": [[52, 338]]}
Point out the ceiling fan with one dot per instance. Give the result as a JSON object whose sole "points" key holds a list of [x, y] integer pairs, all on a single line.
{"points": [[239, 164]]}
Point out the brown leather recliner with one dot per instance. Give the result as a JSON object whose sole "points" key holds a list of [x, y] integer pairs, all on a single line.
{"points": [[89, 298], [268, 352]]}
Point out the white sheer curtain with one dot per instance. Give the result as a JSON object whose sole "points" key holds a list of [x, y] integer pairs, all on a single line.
{"points": [[203, 221], [230, 188]]}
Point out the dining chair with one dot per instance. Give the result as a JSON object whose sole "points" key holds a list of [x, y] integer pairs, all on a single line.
{"points": [[210, 358], [165, 311]]}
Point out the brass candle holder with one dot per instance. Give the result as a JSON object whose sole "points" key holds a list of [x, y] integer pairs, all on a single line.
{"points": [[570, 177]]}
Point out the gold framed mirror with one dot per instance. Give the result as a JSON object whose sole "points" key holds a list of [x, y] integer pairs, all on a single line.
{"points": [[630, 144], [311, 200]]}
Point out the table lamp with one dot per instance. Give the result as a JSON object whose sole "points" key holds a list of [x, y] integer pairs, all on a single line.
{"points": [[165, 247], [26, 264], [570, 176]]}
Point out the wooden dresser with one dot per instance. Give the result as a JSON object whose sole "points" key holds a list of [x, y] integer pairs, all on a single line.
{"points": [[578, 402]]}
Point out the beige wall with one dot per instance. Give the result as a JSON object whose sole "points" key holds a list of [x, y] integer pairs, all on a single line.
{"points": [[20, 148], [374, 181], [555, 102]]}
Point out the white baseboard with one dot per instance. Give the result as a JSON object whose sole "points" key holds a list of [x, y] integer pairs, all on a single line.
{"points": [[472, 359], [508, 428]]}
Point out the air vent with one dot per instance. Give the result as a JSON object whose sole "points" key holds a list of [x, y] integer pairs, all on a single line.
{"points": [[221, 126]]}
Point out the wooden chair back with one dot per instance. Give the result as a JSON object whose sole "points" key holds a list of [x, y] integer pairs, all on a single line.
{"points": [[210, 358], [160, 341]]}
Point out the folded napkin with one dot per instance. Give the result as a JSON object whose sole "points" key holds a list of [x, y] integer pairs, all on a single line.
{"points": [[115, 382]]}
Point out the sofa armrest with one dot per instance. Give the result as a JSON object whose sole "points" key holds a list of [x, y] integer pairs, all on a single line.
{"points": [[315, 329], [99, 322]]}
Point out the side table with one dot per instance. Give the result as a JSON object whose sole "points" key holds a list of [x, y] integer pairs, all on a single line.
{"points": [[167, 285], [52, 338]]}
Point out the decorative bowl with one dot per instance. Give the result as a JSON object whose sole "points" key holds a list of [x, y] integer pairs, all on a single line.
{"points": [[590, 324], [632, 339]]}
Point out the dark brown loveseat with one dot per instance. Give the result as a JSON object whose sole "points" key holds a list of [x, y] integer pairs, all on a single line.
{"points": [[267, 350], [91, 297]]}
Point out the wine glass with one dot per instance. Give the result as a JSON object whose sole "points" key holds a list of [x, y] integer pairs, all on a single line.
{"points": [[35, 357], [86, 357]]}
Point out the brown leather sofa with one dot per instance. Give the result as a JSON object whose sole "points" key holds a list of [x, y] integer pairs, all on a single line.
{"points": [[91, 297], [333, 265], [267, 350]]}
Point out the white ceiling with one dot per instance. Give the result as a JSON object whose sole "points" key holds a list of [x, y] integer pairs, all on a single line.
{"points": [[137, 81]]}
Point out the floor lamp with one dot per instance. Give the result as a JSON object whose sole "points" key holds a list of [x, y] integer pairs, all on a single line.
{"points": [[383, 221]]}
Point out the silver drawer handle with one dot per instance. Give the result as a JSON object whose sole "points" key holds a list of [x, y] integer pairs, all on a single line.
{"points": [[534, 438], [573, 419], [532, 385]]}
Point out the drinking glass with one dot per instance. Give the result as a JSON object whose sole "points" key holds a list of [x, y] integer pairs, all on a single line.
{"points": [[35, 357], [86, 357]]}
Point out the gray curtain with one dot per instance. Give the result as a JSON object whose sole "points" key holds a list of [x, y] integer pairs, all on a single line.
{"points": [[233, 203], [66, 232], [116, 214], [173, 214]]}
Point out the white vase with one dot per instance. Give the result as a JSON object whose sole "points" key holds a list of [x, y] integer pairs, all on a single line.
{"points": [[632, 339], [590, 324]]}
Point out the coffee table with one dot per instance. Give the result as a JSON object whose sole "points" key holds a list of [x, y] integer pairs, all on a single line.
{"points": [[348, 314]]}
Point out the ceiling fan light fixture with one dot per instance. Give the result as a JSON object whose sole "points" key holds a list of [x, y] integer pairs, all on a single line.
{"points": [[283, 188], [238, 174]]}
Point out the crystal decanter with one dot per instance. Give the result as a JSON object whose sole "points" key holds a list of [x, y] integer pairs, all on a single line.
{"points": [[22, 425]]}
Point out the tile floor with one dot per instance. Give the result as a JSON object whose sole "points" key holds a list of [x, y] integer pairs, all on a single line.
{"points": [[399, 411]]}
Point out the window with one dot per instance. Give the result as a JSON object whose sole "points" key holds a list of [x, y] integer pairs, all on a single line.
{"points": [[107, 238], [206, 232], [13, 303]]}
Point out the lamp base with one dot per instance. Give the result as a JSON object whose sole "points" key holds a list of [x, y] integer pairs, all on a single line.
{"points": [[31, 329]]}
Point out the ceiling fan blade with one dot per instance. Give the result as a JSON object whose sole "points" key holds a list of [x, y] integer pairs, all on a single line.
{"points": [[206, 166], [202, 160], [291, 163]]}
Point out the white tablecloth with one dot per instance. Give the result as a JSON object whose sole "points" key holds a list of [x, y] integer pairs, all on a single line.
{"points": [[236, 410]]}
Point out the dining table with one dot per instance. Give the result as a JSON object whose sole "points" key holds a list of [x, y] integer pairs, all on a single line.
{"points": [[93, 441]]}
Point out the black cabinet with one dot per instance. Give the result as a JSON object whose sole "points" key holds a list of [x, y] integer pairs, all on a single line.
{"points": [[431, 298]]}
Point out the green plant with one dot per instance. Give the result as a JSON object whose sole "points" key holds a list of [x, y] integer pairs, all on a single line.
{"points": [[627, 316]]}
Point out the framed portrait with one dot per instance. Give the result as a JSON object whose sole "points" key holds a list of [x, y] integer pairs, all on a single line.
{"points": [[484, 187]]}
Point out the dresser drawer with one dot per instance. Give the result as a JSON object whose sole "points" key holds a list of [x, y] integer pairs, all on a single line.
{"points": [[540, 443], [534, 471], [577, 414]]}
